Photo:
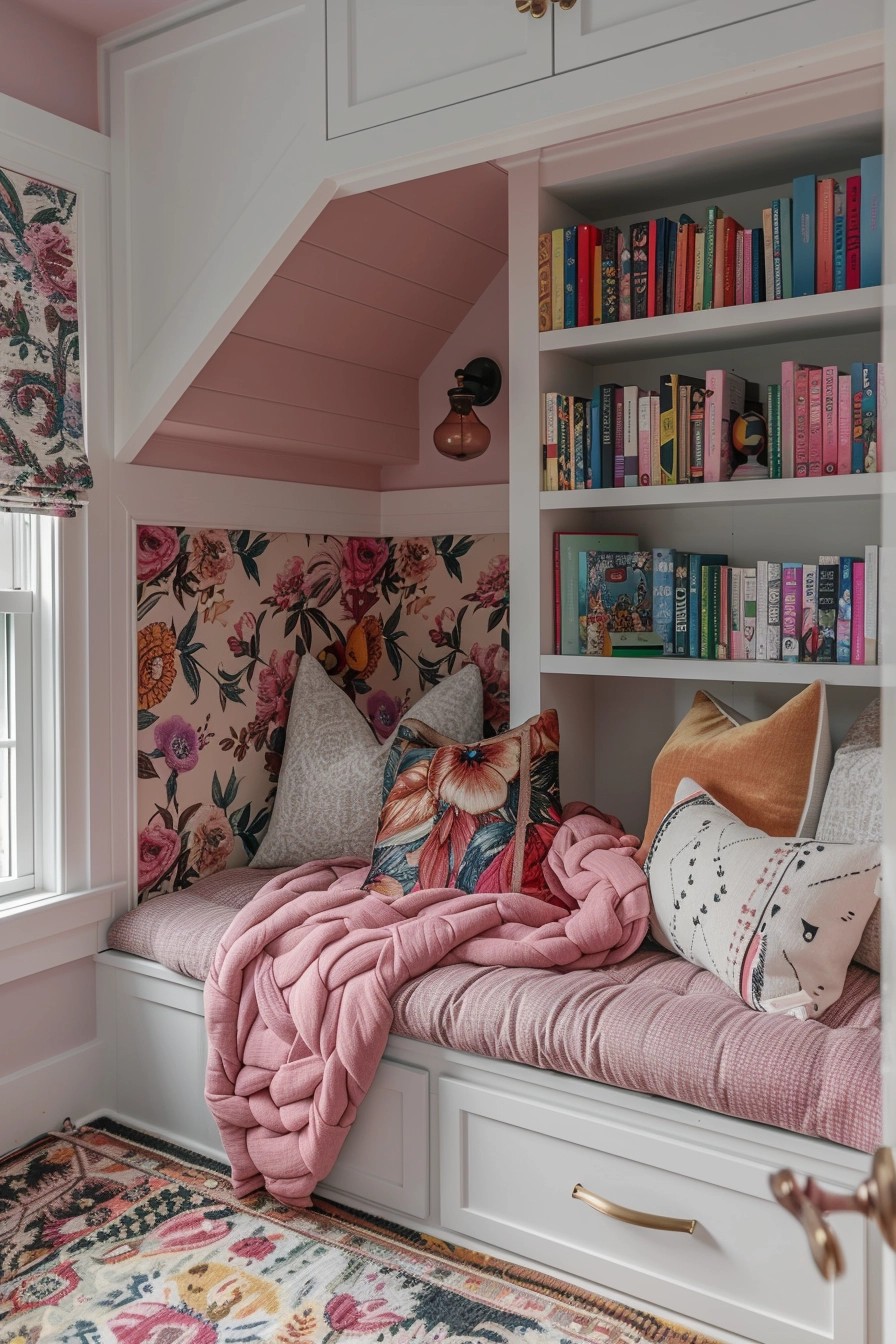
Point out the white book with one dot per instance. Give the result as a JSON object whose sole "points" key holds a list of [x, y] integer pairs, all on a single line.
{"points": [[630, 397], [871, 603], [762, 611], [774, 611]]}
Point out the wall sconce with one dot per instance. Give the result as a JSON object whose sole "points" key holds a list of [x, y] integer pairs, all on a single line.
{"points": [[538, 8], [462, 434]]}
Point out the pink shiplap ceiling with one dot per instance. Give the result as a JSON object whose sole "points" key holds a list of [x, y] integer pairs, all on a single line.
{"points": [[318, 381], [97, 17]]}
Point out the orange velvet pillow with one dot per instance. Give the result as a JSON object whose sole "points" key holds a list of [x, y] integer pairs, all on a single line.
{"points": [[771, 773]]}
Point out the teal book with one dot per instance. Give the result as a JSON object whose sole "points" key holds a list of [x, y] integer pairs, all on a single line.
{"points": [[664, 597], [804, 235], [872, 220], [570, 292], [567, 546], [618, 596], [696, 565], [786, 249]]}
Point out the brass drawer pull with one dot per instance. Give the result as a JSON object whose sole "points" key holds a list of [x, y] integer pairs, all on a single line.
{"points": [[655, 1220]]}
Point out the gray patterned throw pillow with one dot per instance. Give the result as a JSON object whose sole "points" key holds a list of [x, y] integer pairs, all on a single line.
{"points": [[331, 782]]}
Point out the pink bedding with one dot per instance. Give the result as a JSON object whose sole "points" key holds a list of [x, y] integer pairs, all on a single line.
{"points": [[297, 1005]]}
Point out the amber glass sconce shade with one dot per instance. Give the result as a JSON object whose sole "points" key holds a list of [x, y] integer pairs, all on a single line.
{"points": [[462, 435]]}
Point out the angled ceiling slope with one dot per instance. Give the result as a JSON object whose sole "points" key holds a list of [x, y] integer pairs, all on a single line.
{"points": [[318, 380]]}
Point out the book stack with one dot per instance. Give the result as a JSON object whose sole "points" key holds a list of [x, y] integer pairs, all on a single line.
{"points": [[614, 599], [827, 236], [818, 422]]}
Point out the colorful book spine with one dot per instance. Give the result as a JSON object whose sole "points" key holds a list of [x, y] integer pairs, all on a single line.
{"points": [[630, 435], [680, 637], [773, 411], [578, 442], [857, 628], [801, 422], [786, 249], [829, 413], [609, 283], [762, 611], [557, 280], [707, 636], [828, 585], [597, 300], [844, 611], [872, 571], [824, 260], [750, 613], [883, 413], [668, 429], [788, 421], [644, 439], [816, 422], [618, 438], [624, 276], [664, 597], [776, 250], [544, 282], [699, 263], [651, 266], [607, 434], [773, 632], [839, 241], [569, 277], [804, 203], [758, 246], [658, 265], [746, 239], [872, 220], [725, 395], [595, 474], [639, 248], [857, 461], [696, 565], [723, 620], [768, 247], [669, 277], [736, 613], [585, 240], [853, 232], [869, 418], [731, 233], [552, 480], [739, 269], [564, 443], [844, 424], [791, 612], [809, 615], [655, 472], [713, 214]]}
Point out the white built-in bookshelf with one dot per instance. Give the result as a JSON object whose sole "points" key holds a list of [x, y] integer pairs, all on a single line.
{"points": [[615, 713]]}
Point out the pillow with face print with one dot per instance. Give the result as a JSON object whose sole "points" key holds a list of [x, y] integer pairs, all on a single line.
{"points": [[777, 919]]}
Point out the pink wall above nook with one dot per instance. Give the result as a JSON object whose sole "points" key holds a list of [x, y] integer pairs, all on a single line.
{"points": [[322, 378], [48, 62], [101, 16]]}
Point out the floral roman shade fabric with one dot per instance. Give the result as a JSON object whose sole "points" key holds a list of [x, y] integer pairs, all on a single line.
{"points": [[43, 467]]}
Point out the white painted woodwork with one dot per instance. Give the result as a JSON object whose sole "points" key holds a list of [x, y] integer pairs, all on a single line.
{"points": [[388, 59], [699, 670], [602, 30], [711, 494]]}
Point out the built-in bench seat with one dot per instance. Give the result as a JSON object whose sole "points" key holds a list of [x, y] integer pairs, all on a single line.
{"points": [[654, 1024]]}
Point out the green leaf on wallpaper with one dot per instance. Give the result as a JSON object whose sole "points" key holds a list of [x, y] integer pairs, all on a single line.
{"points": [[505, 638], [187, 815], [171, 788], [361, 687], [305, 627], [394, 657], [391, 626], [148, 603], [319, 619], [190, 669], [231, 791], [217, 795], [259, 545], [185, 638], [145, 767], [145, 719], [452, 566], [228, 691], [496, 617], [250, 567], [49, 215]]}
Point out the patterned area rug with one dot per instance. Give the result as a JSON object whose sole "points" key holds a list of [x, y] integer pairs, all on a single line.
{"points": [[108, 1236]]}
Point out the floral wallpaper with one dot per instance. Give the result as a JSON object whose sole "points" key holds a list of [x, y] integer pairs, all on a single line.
{"points": [[42, 462], [223, 618]]}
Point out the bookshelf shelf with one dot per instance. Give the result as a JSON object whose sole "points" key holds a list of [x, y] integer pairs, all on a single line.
{"points": [[728, 493], [704, 670], [842, 313]]}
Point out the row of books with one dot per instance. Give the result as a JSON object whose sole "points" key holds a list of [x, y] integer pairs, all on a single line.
{"points": [[616, 600], [816, 422], [820, 240]]}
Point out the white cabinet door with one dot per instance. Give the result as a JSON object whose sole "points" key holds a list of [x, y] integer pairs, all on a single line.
{"points": [[600, 30], [388, 59]]}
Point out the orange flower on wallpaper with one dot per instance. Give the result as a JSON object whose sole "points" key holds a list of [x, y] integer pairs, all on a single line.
{"points": [[415, 559], [212, 554], [364, 646], [156, 666]]}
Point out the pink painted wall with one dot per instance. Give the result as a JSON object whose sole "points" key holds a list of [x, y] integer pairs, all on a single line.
{"points": [[484, 331], [47, 63]]}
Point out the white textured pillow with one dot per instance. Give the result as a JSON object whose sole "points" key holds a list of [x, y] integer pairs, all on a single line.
{"points": [[331, 782], [777, 919]]}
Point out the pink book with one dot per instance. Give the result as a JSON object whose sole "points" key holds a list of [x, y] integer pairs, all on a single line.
{"points": [[829, 419], [844, 424], [791, 612], [644, 439], [788, 418], [747, 242], [739, 268], [815, 422], [801, 422], [857, 632], [725, 393]]}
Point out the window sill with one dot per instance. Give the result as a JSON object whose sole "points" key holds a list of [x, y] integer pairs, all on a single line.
{"points": [[38, 932]]}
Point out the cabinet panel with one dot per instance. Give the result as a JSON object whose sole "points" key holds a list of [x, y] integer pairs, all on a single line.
{"points": [[388, 59], [600, 30]]}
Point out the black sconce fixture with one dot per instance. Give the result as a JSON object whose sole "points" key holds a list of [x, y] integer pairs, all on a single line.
{"points": [[462, 434]]}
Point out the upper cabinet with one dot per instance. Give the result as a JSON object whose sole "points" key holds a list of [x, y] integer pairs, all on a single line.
{"points": [[601, 30], [388, 59]]}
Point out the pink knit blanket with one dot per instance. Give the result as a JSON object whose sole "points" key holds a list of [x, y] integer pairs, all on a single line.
{"points": [[297, 1006]]}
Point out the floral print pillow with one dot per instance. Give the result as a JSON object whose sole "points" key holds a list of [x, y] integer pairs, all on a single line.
{"points": [[479, 817]]}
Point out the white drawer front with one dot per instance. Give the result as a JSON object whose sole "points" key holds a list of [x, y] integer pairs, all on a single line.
{"points": [[508, 1170], [600, 30], [386, 1156]]}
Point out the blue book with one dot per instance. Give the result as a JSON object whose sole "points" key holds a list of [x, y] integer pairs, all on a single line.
{"points": [[663, 228], [857, 427], [804, 235], [569, 277], [757, 263], [869, 417], [696, 564], [664, 597], [839, 241], [844, 611], [669, 279], [872, 220], [595, 475], [777, 270]]}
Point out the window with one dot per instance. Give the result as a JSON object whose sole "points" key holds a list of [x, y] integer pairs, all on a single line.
{"points": [[27, 708]]}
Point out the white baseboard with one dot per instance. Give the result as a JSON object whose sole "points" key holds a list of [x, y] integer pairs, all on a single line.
{"points": [[38, 1098]]}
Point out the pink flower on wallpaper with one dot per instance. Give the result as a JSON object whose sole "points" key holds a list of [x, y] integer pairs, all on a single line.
{"points": [[438, 634], [157, 1323], [157, 548], [344, 1312], [211, 842], [178, 742], [493, 662], [494, 582], [275, 689], [288, 585], [384, 713], [157, 851], [415, 559], [363, 558], [212, 554], [51, 262], [244, 629]]}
